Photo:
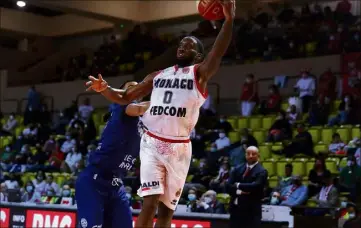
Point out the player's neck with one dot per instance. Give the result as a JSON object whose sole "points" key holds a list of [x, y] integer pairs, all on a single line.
{"points": [[181, 63]]}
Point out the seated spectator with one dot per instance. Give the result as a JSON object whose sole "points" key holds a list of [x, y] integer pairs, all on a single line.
{"points": [[76, 122], [68, 144], [350, 178], [247, 139], [293, 195], [249, 96], [328, 195], [209, 204], [39, 183], [336, 146], [30, 133], [3, 193], [85, 110], [72, 160], [293, 115], [7, 153], [56, 158], [223, 141], [50, 184], [353, 217], [10, 125], [316, 176], [66, 196], [192, 200], [280, 129], [273, 102], [219, 183], [50, 198], [345, 111], [286, 180], [12, 183], [318, 114], [202, 175], [49, 145], [29, 194], [224, 125], [300, 144], [17, 166]]}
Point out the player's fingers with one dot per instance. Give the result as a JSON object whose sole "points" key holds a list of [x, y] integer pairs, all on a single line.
{"points": [[89, 83], [89, 89], [100, 77], [91, 78]]}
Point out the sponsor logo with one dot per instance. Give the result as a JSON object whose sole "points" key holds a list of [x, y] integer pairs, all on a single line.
{"points": [[83, 223], [54, 219], [116, 181], [185, 70], [184, 223], [127, 162], [150, 185], [4, 217], [19, 218]]}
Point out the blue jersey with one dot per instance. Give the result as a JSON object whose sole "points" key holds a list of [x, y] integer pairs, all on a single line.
{"points": [[119, 143]]}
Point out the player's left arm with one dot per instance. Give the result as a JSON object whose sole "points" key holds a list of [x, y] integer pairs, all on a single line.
{"points": [[137, 109], [212, 62]]}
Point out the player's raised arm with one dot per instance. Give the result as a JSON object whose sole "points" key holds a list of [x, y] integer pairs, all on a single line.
{"points": [[211, 63], [120, 96], [137, 109]]}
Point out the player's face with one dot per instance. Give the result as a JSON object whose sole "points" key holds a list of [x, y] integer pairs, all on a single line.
{"points": [[187, 49]]}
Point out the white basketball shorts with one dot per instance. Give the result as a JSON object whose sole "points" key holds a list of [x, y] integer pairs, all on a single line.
{"points": [[164, 166]]}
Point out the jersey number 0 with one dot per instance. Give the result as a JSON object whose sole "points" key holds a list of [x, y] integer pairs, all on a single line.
{"points": [[167, 97]]}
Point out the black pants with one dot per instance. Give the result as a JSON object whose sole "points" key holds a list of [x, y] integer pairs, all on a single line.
{"points": [[243, 220], [306, 103]]}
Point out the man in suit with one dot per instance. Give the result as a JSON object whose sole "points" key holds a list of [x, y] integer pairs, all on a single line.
{"points": [[245, 185]]}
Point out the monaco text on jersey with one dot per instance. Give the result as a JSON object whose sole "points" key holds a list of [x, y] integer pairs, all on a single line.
{"points": [[174, 83]]}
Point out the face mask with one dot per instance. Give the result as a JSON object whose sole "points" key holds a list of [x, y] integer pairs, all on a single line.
{"points": [[20, 137], [66, 192], [207, 200], [202, 164], [49, 193], [213, 149], [221, 120], [351, 215], [274, 200], [129, 196], [29, 188], [346, 99], [11, 117], [191, 197], [343, 204], [68, 137], [349, 163], [40, 178], [7, 149], [222, 135]]}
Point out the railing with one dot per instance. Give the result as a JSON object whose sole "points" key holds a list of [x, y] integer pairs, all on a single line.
{"points": [[17, 105]]}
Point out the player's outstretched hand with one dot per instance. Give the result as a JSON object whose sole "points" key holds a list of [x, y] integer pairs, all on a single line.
{"points": [[229, 8], [96, 84]]}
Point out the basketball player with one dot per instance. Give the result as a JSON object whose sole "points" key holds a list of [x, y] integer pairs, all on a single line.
{"points": [[100, 195], [177, 94]]}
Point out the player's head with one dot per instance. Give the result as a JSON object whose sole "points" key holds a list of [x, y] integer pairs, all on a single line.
{"points": [[190, 51]]}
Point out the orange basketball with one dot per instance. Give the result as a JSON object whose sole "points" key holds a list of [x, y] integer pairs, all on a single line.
{"points": [[210, 9]]}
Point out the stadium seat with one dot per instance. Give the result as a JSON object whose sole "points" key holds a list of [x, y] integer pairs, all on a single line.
{"points": [[305, 181], [233, 136], [284, 106], [233, 123], [19, 130], [309, 166], [265, 152], [326, 135], [147, 55], [242, 123], [223, 198], [101, 128], [280, 167], [255, 123], [315, 134], [259, 135], [311, 203], [60, 179], [320, 148], [343, 163], [273, 181], [336, 105], [299, 168], [332, 166], [355, 132], [344, 133], [189, 178], [267, 122], [270, 167]]}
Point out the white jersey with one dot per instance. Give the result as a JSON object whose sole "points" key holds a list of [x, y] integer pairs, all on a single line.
{"points": [[175, 102]]}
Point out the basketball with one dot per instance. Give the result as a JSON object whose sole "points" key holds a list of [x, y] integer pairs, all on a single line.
{"points": [[210, 9]]}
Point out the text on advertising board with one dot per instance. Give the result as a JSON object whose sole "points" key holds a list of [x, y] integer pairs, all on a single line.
{"points": [[4, 217], [54, 219], [177, 223]]}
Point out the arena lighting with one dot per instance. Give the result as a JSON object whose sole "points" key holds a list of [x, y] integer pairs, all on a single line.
{"points": [[21, 3]]}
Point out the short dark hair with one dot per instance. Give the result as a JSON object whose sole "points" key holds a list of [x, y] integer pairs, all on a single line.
{"points": [[200, 47], [289, 165]]}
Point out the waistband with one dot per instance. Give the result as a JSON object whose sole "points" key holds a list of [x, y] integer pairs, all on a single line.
{"points": [[166, 139]]}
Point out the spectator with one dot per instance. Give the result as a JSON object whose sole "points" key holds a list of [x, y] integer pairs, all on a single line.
{"points": [[17, 166], [10, 125], [316, 176], [50, 184], [286, 180], [30, 133], [12, 183], [293, 115], [223, 124], [85, 110], [192, 200], [33, 106], [202, 174], [328, 196], [336, 146], [56, 158], [29, 194], [280, 129], [223, 141], [49, 145], [39, 183], [273, 103], [208, 107], [353, 217], [327, 87], [247, 139], [50, 197], [295, 194], [210, 204], [350, 178], [66, 196], [306, 87], [249, 96], [3, 193], [301, 143], [219, 183], [345, 112], [72, 160], [67, 145]]}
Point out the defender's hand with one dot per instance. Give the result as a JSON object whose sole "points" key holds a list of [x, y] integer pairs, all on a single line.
{"points": [[96, 84], [229, 9]]}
